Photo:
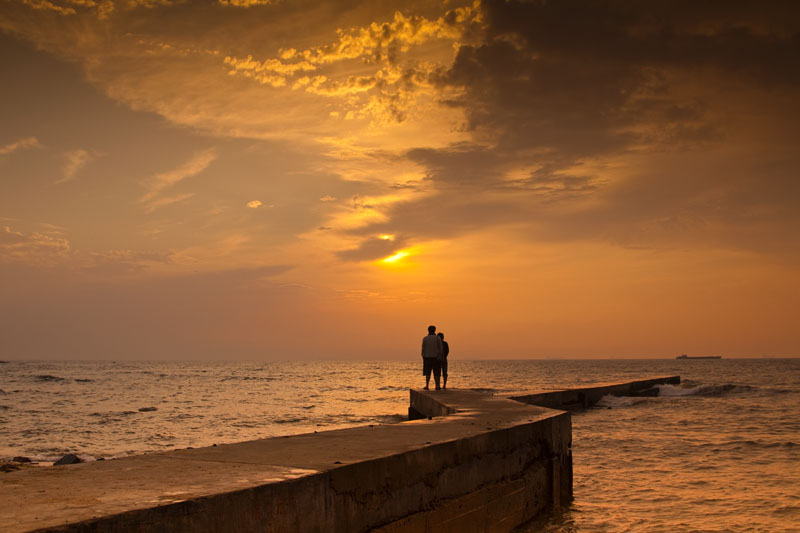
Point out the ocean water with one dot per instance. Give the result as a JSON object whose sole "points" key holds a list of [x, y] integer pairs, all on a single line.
{"points": [[720, 452]]}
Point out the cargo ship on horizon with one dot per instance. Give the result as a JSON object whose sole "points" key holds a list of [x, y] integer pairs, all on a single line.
{"points": [[684, 356]]}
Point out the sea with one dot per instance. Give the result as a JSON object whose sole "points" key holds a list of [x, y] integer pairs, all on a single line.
{"points": [[719, 452]]}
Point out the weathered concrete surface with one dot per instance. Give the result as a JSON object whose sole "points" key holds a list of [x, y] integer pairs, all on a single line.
{"points": [[582, 397], [495, 460]]}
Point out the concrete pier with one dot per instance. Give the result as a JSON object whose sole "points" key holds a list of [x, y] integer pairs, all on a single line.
{"points": [[491, 465], [480, 463]]}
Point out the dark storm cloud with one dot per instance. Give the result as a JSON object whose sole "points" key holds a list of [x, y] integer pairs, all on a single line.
{"points": [[575, 76], [555, 90], [468, 165], [459, 164], [442, 216]]}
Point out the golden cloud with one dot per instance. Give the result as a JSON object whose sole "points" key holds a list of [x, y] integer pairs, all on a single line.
{"points": [[163, 201], [201, 80], [385, 89], [74, 161], [21, 144], [34, 248], [153, 199], [70, 7], [102, 8], [245, 3], [125, 261]]}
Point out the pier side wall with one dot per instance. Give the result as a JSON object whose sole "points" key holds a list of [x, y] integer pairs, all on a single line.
{"points": [[423, 405], [515, 473]]}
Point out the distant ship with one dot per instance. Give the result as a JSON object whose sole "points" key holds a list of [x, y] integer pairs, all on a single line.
{"points": [[684, 356]]}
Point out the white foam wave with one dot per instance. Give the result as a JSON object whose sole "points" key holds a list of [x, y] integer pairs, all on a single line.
{"points": [[699, 390], [619, 401]]}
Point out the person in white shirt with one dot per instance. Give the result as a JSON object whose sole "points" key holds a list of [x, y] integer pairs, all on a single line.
{"points": [[432, 351]]}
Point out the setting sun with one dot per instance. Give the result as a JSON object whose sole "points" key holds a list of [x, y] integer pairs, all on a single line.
{"points": [[396, 257]]}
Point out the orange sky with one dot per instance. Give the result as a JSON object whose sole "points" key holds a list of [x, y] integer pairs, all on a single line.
{"points": [[226, 179]]}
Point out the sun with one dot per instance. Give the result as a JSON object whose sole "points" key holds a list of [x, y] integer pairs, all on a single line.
{"points": [[396, 257]]}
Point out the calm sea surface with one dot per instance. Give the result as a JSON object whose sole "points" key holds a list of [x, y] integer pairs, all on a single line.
{"points": [[721, 452]]}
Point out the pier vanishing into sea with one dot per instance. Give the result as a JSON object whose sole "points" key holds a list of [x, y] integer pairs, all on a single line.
{"points": [[465, 461]]}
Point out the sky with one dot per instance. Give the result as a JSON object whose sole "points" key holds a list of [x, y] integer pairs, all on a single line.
{"points": [[296, 179]]}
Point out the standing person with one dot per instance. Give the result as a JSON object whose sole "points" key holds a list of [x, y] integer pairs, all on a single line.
{"points": [[445, 352], [431, 356]]}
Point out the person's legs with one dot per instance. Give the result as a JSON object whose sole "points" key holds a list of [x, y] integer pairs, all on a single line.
{"points": [[437, 368], [426, 370], [444, 374]]}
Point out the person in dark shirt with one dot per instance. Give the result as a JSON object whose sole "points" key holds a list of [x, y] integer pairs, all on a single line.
{"points": [[445, 351]]}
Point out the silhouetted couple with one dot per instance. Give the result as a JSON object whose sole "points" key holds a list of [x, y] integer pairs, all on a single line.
{"points": [[434, 357]]}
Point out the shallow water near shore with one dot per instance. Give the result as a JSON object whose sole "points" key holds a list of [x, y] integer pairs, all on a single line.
{"points": [[720, 452]]}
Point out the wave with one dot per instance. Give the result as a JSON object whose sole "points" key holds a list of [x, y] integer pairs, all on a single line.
{"points": [[248, 378], [609, 401], [390, 419], [671, 391], [700, 390], [47, 377], [246, 425], [741, 444], [184, 416], [289, 420], [375, 419], [113, 413]]}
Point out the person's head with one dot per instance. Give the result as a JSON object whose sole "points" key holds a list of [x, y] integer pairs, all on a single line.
{"points": [[431, 330], [441, 335]]}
